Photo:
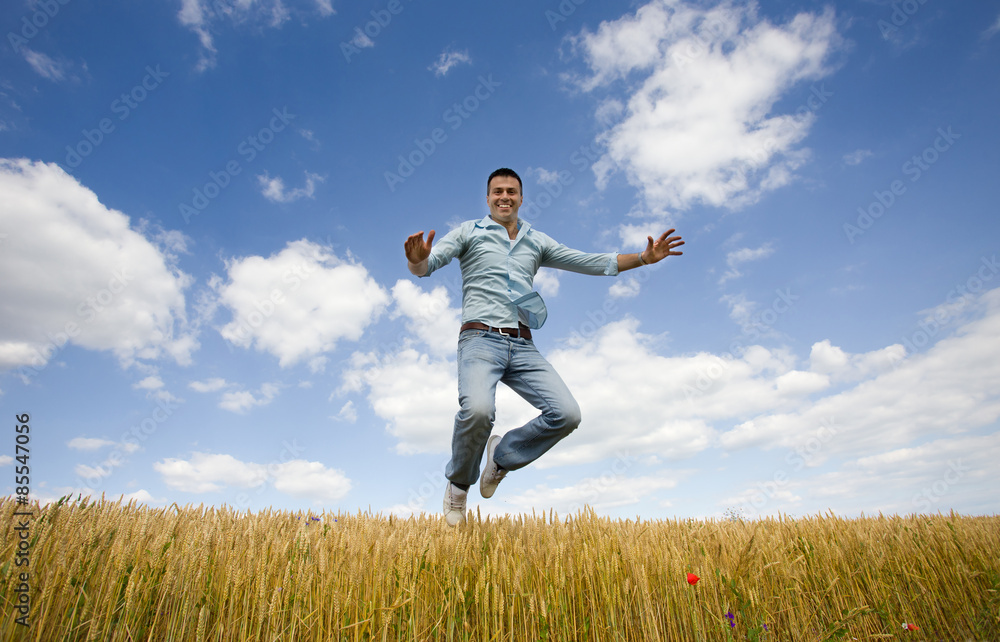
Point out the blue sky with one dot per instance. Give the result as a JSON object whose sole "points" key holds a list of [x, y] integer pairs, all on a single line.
{"points": [[205, 300]]}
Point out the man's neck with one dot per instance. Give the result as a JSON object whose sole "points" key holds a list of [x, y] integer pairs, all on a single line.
{"points": [[511, 227]]}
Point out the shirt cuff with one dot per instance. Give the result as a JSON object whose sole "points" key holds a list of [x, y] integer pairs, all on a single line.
{"points": [[418, 269]]}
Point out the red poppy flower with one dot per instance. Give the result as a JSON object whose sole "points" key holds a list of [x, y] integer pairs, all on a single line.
{"points": [[693, 579], [912, 627]]}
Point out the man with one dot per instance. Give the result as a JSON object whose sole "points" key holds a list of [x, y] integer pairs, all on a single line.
{"points": [[499, 257]]}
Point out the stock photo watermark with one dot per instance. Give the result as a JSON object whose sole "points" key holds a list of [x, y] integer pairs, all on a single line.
{"points": [[902, 11], [31, 26], [131, 440], [87, 312], [364, 35], [123, 106], [752, 330], [248, 149], [289, 452], [927, 497], [914, 168], [956, 301], [455, 116], [798, 458], [563, 11]]}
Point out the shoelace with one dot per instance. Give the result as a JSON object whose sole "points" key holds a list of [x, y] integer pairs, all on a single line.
{"points": [[454, 503]]}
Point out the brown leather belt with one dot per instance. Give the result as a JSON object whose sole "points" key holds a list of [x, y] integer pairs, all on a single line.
{"points": [[521, 331]]}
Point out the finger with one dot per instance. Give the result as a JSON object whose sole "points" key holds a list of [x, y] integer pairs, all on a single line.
{"points": [[430, 238]]}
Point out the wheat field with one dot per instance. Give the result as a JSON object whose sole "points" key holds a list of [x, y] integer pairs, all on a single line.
{"points": [[102, 570]]}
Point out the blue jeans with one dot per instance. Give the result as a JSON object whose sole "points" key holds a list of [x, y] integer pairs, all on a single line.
{"points": [[484, 359]]}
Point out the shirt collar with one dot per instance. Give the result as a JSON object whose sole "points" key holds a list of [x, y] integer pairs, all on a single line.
{"points": [[522, 225]]}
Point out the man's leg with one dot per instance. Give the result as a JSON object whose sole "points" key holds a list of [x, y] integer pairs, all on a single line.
{"points": [[482, 360], [534, 378]]}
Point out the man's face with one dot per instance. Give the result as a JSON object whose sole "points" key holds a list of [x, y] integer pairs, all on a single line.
{"points": [[504, 198]]}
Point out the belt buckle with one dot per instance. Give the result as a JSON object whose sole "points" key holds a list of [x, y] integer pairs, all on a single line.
{"points": [[504, 334]]}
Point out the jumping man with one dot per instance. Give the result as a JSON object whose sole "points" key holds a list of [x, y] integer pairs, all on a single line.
{"points": [[499, 256]]}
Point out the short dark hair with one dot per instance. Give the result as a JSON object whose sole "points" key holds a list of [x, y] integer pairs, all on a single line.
{"points": [[504, 171]]}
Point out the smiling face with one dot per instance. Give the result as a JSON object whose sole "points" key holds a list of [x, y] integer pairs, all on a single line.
{"points": [[504, 199]]}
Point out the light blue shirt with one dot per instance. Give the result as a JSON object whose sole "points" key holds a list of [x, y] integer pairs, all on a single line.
{"points": [[497, 274]]}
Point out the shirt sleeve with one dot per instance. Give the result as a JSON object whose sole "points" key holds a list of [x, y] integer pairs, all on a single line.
{"points": [[557, 255], [452, 245]]}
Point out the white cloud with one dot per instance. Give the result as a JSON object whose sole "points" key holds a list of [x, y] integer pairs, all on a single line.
{"points": [[449, 59], [951, 388], [600, 493], [282, 304], [624, 288], [45, 66], [209, 385], [347, 413], [743, 255], [544, 176], [205, 16], [993, 30], [5, 460], [429, 315], [151, 382], [79, 274], [204, 473], [274, 190], [239, 401], [701, 127], [416, 395], [88, 443], [857, 157], [547, 282]]}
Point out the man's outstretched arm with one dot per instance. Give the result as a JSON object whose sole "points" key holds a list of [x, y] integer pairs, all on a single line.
{"points": [[655, 252], [417, 250]]}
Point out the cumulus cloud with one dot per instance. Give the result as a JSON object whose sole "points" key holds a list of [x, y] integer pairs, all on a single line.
{"points": [[283, 304], [239, 401], [701, 127], [429, 315], [415, 394], [209, 385], [205, 473], [80, 274], [547, 282]]}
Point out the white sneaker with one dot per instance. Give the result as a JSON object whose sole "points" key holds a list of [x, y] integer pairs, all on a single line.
{"points": [[454, 504], [492, 474]]}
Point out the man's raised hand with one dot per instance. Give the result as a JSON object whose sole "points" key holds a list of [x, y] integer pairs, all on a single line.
{"points": [[417, 250], [662, 247]]}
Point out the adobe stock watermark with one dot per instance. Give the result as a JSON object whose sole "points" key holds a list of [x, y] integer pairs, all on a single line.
{"points": [[758, 158], [564, 10], [594, 488], [700, 42], [454, 116], [927, 497], [87, 311], [798, 458], [914, 168], [248, 149], [131, 440], [902, 11], [751, 331], [44, 11], [289, 452], [364, 35], [264, 308], [123, 106], [957, 299]]}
